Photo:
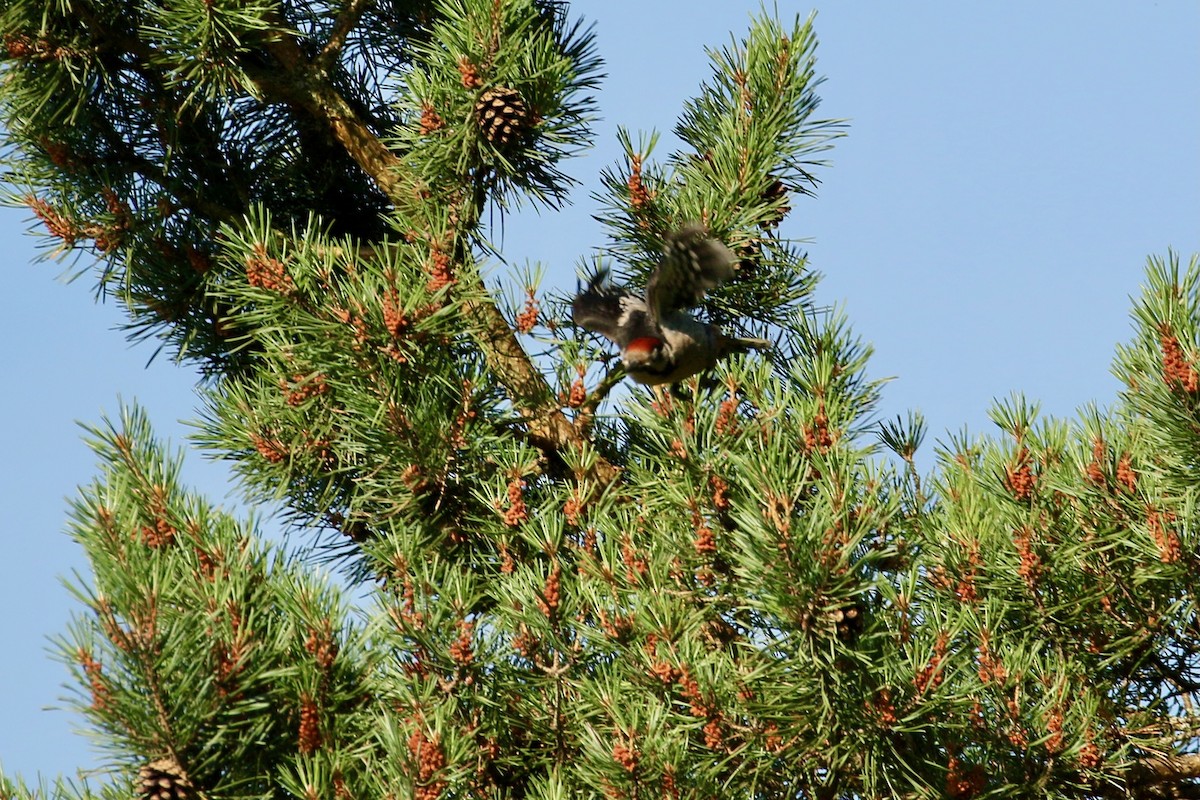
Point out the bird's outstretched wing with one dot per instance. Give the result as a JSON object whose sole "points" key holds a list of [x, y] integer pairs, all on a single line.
{"points": [[692, 264], [612, 312]]}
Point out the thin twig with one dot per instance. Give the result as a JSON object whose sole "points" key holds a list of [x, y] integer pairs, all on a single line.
{"points": [[345, 23], [606, 384]]}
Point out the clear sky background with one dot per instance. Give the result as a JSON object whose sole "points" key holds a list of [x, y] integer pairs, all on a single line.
{"points": [[1008, 169]]}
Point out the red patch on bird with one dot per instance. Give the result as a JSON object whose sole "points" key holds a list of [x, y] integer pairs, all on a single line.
{"points": [[644, 344]]}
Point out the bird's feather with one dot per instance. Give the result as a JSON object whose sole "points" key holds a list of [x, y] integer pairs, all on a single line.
{"points": [[693, 263], [613, 312]]}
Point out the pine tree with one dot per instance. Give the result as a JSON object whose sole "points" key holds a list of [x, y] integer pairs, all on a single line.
{"points": [[740, 588]]}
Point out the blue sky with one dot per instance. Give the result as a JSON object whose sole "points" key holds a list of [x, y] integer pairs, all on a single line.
{"points": [[1007, 170]]}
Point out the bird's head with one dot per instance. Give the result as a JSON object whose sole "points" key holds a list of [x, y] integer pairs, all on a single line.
{"points": [[645, 354]]}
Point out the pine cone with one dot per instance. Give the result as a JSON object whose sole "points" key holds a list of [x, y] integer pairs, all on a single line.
{"points": [[503, 116], [776, 191], [163, 780], [848, 622]]}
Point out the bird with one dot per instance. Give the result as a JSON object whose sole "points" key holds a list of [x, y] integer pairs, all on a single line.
{"points": [[660, 341]]}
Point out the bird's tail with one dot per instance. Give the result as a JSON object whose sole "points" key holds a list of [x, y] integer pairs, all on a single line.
{"points": [[740, 344]]}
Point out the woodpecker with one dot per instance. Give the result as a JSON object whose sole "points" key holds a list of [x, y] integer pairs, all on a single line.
{"points": [[660, 341]]}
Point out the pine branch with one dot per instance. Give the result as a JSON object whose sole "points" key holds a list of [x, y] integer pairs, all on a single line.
{"points": [[149, 171], [1156, 770], [527, 387], [305, 88]]}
